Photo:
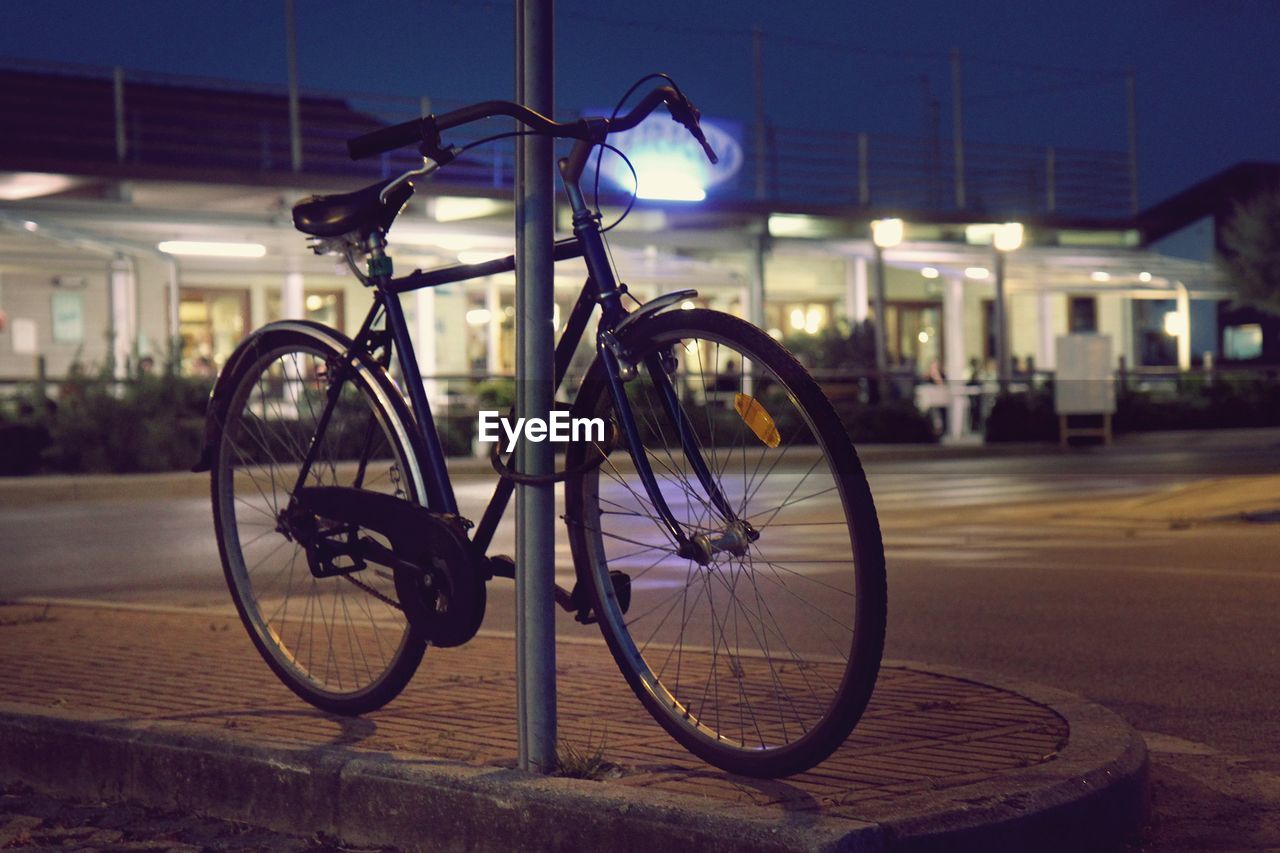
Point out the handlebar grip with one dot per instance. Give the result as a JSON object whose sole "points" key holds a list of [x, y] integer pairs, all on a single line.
{"points": [[385, 139]]}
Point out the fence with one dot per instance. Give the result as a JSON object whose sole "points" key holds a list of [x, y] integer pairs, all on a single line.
{"points": [[91, 120]]}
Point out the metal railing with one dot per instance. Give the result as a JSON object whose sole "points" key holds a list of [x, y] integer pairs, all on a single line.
{"points": [[94, 120]]}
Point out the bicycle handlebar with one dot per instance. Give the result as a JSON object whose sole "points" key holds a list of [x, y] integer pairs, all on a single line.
{"points": [[426, 130]]}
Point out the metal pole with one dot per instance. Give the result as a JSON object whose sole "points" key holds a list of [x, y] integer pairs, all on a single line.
{"points": [[1130, 97], [882, 353], [535, 505], [122, 144], [757, 81], [957, 126], [755, 304], [295, 119], [864, 175], [1050, 179], [1184, 334], [175, 303], [1002, 327]]}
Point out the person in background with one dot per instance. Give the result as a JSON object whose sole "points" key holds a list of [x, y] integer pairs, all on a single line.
{"points": [[974, 387], [938, 395]]}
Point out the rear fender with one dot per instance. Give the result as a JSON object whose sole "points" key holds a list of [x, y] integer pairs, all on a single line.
{"points": [[245, 354]]}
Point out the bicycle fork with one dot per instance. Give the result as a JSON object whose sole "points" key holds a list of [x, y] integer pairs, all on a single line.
{"points": [[735, 534]]}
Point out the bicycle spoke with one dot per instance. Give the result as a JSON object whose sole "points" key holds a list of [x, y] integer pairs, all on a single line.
{"points": [[747, 649], [323, 633]]}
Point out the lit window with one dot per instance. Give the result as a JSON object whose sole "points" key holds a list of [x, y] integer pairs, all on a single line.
{"points": [[1241, 343]]}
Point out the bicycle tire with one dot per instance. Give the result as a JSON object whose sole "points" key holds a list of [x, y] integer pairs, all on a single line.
{"points": [[363, 650], [774, 654]]}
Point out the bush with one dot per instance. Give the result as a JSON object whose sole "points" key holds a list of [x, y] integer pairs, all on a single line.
{"points": [[496, 394], [894, 421], [838, 347], [21, 443], [1201, 404], [152, 423], [1196, 403], [1029, 416]]}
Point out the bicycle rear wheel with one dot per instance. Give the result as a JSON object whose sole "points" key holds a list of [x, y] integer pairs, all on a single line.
{"points": [[762, 660], [341, 642]]}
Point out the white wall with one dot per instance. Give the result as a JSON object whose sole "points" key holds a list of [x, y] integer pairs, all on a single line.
{"points": [[27, 295]]}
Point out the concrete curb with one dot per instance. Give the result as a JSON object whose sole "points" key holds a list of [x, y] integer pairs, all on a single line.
{"points": [[1092, 795]]}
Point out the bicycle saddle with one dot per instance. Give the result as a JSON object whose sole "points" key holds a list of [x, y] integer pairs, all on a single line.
{"points": [[335, 215]]}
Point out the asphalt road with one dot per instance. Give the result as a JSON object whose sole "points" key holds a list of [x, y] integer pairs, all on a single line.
{"points": [[1175, 629]]}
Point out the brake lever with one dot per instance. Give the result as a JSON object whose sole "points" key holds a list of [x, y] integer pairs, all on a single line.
{"points": [[696, 130], [687, 114], [428, 166]]}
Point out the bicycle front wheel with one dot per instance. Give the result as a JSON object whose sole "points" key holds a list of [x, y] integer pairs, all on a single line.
{"points": [[761, 660], [339, 641]]}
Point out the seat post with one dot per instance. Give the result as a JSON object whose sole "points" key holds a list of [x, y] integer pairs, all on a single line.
{"points": [[439, 497], [380, 265]]}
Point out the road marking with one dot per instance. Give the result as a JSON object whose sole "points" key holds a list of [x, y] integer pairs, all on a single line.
{"points": [[1150, 570], [1170, 745]]}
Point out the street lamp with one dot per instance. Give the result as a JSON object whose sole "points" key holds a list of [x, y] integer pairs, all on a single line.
{"points": [[1006, 238], [885, 234]]}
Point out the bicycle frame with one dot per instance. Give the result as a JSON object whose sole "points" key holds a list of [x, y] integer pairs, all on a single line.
{"points": [[600, 287]]}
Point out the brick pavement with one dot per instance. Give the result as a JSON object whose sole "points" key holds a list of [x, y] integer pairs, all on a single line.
{"points": [[923, 732]]}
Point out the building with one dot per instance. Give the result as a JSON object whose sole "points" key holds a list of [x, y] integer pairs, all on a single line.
{"points": [[1190, 225], [138, 210]]}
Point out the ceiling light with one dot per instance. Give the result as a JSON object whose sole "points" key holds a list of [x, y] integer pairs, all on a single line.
{"points": [[480, 256], [454, 208], [207, 249], [23, 185], [887, 233], [1144, 276], [791, 225], [929, 272], [1007, 237], [1099, 275], [976, 272]]}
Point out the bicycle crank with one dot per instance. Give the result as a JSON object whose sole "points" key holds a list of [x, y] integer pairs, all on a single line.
{"points": [[438, 574]]}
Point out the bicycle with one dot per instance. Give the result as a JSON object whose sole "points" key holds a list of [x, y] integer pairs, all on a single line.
{"points": [[345, 555]]}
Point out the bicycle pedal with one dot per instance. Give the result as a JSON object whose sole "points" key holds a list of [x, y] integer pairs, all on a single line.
{"points": [[502, 566], [565, 600]]}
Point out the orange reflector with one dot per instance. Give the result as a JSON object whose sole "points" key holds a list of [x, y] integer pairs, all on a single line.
{"points": [[757, 418]]}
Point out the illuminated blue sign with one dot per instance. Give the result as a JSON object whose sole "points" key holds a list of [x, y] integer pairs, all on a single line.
{"points": [[669, 163]]}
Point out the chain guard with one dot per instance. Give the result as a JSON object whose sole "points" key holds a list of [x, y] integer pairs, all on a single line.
{"points": [[438, 574]]}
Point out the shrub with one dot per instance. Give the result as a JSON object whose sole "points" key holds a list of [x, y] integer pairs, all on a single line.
{"points": [[838, 347], [496, 394], [1028, 416], [21, 442], [152, 423], [893, 421], [1200, 404]]}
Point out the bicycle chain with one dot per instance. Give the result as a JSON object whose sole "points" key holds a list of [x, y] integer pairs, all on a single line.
{"points": [[390, 602]]}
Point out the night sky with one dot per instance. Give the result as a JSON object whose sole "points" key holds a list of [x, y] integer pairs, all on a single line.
{"points": [[1034, 72]]}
